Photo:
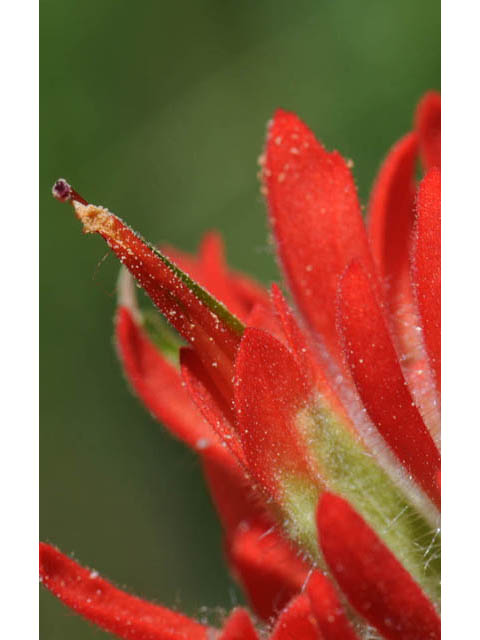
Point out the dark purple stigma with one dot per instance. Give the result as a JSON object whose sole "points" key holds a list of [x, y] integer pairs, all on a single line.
{"points": [[61, 190]]}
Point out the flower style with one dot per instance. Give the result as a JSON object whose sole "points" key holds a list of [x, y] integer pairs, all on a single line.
{"points": [[318, 429]]}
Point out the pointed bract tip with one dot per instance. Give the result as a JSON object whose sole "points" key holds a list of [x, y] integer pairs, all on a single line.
{"points": [[281, 122], [280, 114], [62, 191], [51, 562]]}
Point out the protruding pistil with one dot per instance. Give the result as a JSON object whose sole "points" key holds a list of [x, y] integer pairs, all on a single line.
{"points": [[63, 192]]}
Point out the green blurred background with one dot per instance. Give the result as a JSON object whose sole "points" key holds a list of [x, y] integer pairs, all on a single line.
{"points": [[158, 111]]}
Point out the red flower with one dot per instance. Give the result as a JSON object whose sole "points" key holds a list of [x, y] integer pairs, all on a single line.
{"points": [[319, 432]]}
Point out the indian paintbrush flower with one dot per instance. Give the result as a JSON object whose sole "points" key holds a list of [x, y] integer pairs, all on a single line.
{"points": [[317, 428]]}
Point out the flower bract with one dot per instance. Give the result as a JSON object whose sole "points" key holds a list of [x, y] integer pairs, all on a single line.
{"points": [[315, 411]]}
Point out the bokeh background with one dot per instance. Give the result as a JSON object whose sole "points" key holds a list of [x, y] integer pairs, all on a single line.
{"points": [[158, 110]]}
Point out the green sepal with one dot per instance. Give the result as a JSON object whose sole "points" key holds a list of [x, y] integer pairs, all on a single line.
{"points": [[354, 473], [163, 337], [346, 467]]}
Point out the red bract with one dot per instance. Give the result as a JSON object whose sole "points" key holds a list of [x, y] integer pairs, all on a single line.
{"points": [[371, 356], [372, 579], [113, 610], [316, 218], [426, 263], [318, 431]]}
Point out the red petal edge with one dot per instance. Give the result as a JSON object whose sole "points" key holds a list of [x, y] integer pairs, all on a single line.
{"points": [[239, 627], [427, 265], [210, 402], [379, 379], [428, 125], [296, 622], [269, 390], [371, 577], [316, 218], [158, 384], [391, 212], [110, 608], [267, 565], [328, 611], [230, 489], [304, 353]]}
